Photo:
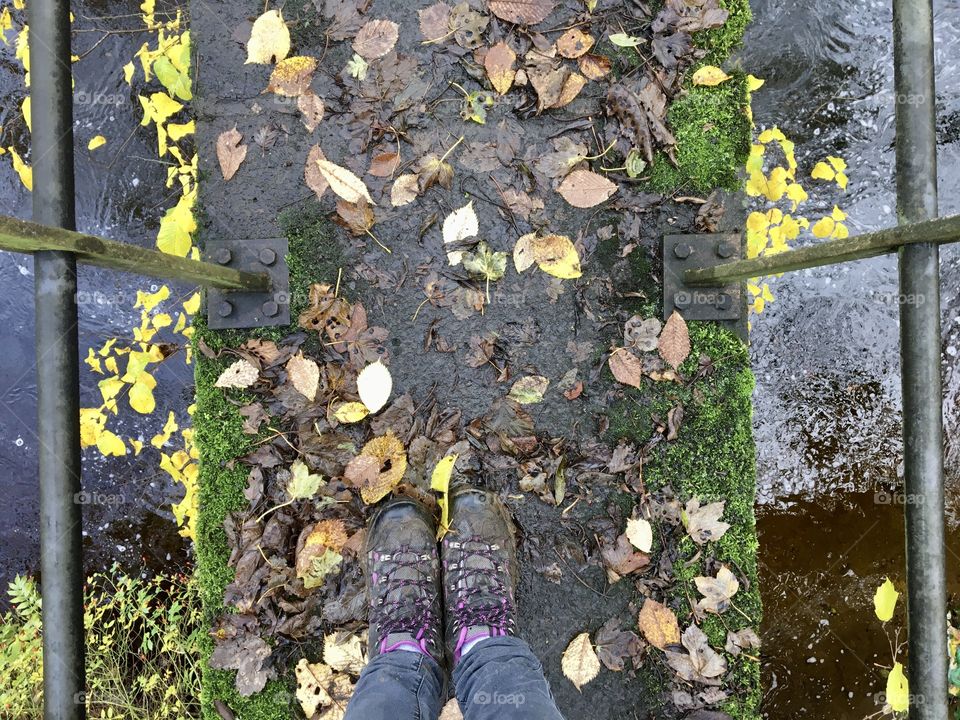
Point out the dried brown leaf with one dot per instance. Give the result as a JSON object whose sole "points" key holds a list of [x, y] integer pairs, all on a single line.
{"points": [[405, 190], [674, 343], [376, 38], [304, 375], [384, 164], [595, 67], [230, 152], [378, 468], [499, 62], [574, 43], [658, 623], [312, 109], [585, 189], [626, 367], [311, 172], [435, 21], [522, 12], [343, 182]]}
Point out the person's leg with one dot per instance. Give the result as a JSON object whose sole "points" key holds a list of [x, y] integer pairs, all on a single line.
{"points": [[403, 680], [495, 673], [397, 685], [500, 678]]}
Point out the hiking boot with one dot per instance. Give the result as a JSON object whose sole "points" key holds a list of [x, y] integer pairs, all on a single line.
{"points": [[403, 580], [479, 571]]}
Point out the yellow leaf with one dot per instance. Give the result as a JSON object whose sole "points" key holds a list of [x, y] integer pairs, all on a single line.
{"points": [[754, 83], [822, 171], [767, 295], [440, 481], [755, 161], [192, 304], [838, 214], [580, 663], [841, 180], [169, 428], [771, 134], [148, 301], [757, 221], [109, 388], [796, 194], [92, 421], [141, 394], [6, 23], [128, 72], [823, 227], [898, 689], [836, 163], [111, 364], [93, 361], [840, 231], [709, 75], [885, 600], [24, 171], [27, 114], [269, 39], [351, 412], [136, 444], [96, 141], [556, 255], [109, 444], [161, 320], [179, 130]]}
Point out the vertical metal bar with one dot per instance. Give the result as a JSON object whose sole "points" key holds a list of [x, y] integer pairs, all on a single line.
{"points": [[920, 352], [58, 391]]}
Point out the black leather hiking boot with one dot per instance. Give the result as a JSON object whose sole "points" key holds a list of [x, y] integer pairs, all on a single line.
{"points": [[479, 570], [403, 580]]}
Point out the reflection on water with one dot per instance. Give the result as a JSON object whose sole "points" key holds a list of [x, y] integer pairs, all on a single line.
{"points": [[826, 357], [120, 195]]}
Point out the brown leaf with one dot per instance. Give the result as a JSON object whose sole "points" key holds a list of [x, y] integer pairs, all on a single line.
{"points": [[717, 591], [312, 109], [626, 367], [499, 65], [549, 84], [405, 190], [703, 523], [622, 558], [571, 88], [585, 189], [741, 640], [291, 77], [700, 663], [304, 375], [311, 172], [376, 38], [658, 623], [433, 171], [435, 21], [674, 343], [595, 67], [378, 468], [357, 217], [522, 12], [230, 152], [574, 43], [614, 644], [384, 164], [343, 182]]}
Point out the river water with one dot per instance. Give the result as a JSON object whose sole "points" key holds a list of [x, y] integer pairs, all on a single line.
{"points": [[825, 354]]}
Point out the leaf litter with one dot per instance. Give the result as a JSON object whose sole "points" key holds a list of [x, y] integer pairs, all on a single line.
{"points": [[462, 177]]}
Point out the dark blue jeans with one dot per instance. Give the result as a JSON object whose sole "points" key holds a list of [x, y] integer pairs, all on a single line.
{"points": [[499, 679]]}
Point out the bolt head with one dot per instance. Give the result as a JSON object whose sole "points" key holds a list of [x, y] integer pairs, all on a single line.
{"points": [[270, 308], [725, 249], [225, 308], [267, 256], [222, 255], [683, 250]]}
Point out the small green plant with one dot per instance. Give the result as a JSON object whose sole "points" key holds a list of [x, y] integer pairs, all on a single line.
{"points": [[143, 648]]}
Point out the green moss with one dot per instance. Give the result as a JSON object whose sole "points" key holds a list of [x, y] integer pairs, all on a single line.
{"points": [[720, 42], [713, 138], [313, 257]]}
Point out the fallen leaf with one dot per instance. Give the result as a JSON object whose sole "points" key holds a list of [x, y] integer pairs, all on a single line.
{"points": [[440, 481], [585, 189], [319, 687], [376, 38], [357, 68], [302, 483], [710, 76], [674, 343], [621, 559], [312, 109], [623, 40], [457, 227], [574, 43], [658, 623], [556, 255], [641, 334], [311, 172], [572, 86], [499, 62], [343, 182], [96, 141], [435, 21], [343, 652], [374, 384], [320, 554], [405, 190], [351, 412], [626, 367], [522, 12], [898, 689], [291, 77], [595, 67], [433, 170], [703, 523], [741, 640], [614, 644], [269, 39], [700, 663], [377, 469], [717, 592], [580, 663], [230, 152], [304, 375], [885, 600], [357, 217], [384, 164], [529, 390], [241, 374], [640, 534]]}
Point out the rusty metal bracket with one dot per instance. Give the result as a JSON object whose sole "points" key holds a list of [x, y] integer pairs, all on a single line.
{"points": [[239, 309], [687, 252]]}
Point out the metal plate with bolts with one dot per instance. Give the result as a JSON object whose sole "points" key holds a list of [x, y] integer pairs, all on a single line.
{"points": [[684, 252], [235, 309]]}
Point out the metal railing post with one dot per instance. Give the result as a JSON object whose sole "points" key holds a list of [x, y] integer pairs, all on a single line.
{"points": [[920, 352], [58, 362]]}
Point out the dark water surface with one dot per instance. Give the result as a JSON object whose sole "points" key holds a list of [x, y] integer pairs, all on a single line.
{"points": [[825, 354]]}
